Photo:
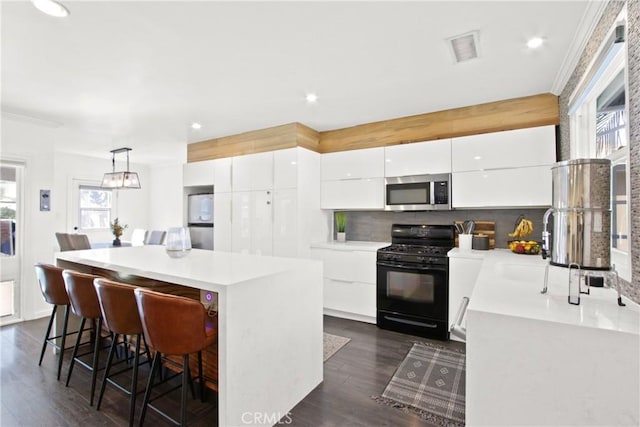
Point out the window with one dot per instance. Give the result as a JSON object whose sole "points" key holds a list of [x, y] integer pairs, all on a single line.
{"points": [[95, 207], [598, 117]]}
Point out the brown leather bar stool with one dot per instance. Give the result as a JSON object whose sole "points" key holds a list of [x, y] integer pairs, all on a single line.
{"points": [[176, 326], [120, 314], [84, 303], [54, 292]]}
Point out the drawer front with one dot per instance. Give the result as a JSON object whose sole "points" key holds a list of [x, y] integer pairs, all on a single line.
{"points": [[350, 297]]}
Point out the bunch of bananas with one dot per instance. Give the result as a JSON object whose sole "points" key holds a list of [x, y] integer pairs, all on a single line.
{"points": [[523, 228]]}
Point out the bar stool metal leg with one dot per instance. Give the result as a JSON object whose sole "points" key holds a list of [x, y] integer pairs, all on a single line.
{"points": [[75, 351], [46, 336], [112, 350], [63, 339], [147, 394], [183, 400]]}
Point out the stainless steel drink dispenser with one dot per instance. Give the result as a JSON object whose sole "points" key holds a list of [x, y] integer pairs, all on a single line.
{"points": [[582, 213], [581, 221]]}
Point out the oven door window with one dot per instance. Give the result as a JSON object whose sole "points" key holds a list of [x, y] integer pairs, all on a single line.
{"points": [[411, 287], [417, 291], [408, 194]]}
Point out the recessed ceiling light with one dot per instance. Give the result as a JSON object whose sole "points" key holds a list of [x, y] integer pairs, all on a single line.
{"points": [[535, 42], [51, 7], [312, 98], [477, 157], [195, 125]]}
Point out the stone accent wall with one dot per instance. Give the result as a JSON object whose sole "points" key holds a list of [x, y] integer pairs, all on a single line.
{"points": [[632, 290], [633, 99]]}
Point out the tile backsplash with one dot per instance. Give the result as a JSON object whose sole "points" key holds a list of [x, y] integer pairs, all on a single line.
{"points": [[375, 226]]}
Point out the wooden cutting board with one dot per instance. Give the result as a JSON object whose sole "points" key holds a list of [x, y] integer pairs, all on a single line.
{"points": [[483, 227]]}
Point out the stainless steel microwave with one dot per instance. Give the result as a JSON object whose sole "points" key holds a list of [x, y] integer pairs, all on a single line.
{"points": [[418, 192]]}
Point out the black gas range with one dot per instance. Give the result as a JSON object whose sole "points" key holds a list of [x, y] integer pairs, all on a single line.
{"points": [[413, 280]]}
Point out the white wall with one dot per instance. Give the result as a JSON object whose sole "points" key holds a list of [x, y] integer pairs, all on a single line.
{"points": [[131, 207], [34, 144], [165, 197]]}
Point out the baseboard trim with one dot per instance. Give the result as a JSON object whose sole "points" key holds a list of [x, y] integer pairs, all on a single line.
{"points": [[350, 316]]}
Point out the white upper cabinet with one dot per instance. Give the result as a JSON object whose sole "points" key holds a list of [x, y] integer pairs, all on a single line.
{"points": [[253, 172], [508, 149], [530, 186], [353, 179], [353, 194], [418, 158], [285, 168], [222, 175], [367, 163], [198, 173]]}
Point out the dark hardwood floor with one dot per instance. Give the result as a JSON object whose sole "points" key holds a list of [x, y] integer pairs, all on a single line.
{"points": [[31, 396]]}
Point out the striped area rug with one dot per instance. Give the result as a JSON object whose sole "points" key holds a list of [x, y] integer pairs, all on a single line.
{"points": [[430, 381]]}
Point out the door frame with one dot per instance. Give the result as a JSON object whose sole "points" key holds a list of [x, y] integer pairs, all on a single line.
{"points": [[19, 298]]}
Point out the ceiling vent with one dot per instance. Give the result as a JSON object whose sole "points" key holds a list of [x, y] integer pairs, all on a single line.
{"points": [[464, 47]]}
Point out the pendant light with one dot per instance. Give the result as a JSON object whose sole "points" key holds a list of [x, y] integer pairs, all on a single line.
{"points": [[125, 179]]}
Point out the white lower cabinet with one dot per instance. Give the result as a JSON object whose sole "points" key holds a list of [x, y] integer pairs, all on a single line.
{"points": [[527, 186], [365, 193], [349, 279], [350, 297], [463, 273]]}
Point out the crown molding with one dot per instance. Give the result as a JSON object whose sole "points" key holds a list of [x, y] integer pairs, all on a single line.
{"points": [[28, 118], [588, 22]]}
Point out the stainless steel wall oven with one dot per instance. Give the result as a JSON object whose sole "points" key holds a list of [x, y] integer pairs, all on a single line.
{"points": [[413, 280]]}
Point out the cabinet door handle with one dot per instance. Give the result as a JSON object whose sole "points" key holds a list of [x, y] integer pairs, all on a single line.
{"points": [[343, 280]]}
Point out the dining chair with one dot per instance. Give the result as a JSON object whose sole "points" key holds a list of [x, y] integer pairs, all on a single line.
{"points": [[155, 237], [64, 242], [79, 241]]}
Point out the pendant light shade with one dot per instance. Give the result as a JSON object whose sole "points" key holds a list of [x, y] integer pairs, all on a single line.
{"points": [[124, 179]]}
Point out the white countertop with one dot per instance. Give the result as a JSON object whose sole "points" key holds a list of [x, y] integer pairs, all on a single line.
{"points": [[510, 284], [201, 269], [468, 253], [350, 245]]}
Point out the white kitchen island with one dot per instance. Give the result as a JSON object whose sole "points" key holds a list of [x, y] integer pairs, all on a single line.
{"points": [[269, 320], [534, 359]]}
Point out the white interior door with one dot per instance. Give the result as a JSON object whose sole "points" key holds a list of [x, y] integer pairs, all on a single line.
{"points": [[11, 177]]}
